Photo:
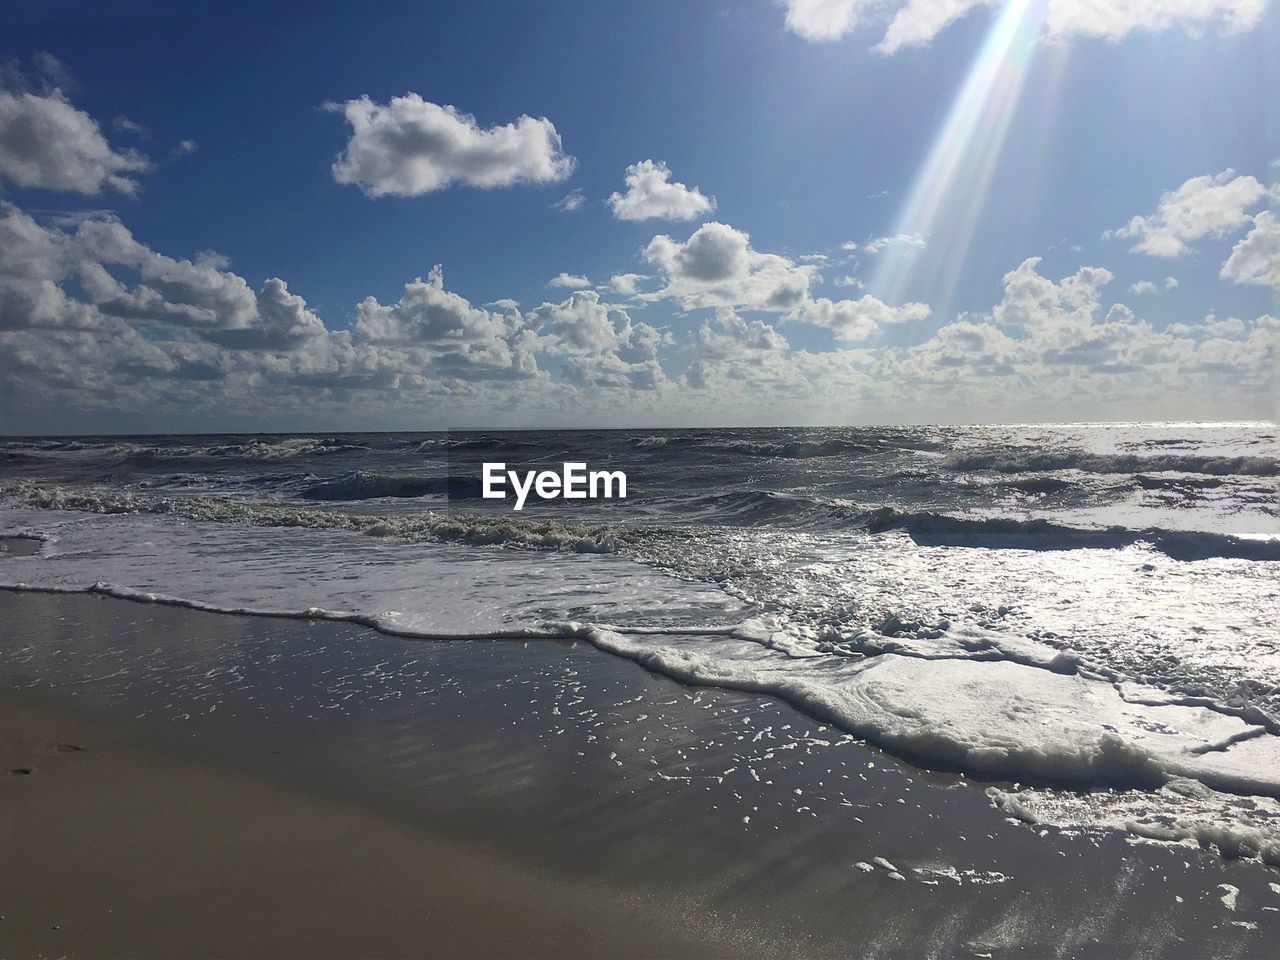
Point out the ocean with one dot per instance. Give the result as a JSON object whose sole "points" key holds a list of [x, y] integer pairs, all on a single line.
{"points": [[1080, 618]]}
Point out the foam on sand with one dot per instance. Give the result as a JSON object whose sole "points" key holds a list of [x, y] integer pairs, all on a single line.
{"points": [[996, 718]]}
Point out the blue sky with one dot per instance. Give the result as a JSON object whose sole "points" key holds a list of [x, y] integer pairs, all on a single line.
{"points": [[806, 134]]}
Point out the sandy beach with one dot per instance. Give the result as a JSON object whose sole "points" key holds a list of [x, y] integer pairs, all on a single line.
{"points": [[265, 787]]}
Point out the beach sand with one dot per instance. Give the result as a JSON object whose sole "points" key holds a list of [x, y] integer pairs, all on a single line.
{"points": [[212, 785]]}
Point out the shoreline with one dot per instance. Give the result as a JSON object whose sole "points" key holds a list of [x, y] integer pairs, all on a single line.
{"points": [[586, 787]]}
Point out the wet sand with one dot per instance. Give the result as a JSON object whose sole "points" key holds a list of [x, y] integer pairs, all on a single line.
{"points": [[255, 787], [116, 850]]}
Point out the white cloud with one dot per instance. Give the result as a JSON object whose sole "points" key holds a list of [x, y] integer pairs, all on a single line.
{"points": [[716, 267], [125, 125], [651, 194], [571, 201], [1203, 206], [410, 146], [1170, 282], [1036, 305], [47, 143], [852, 320], [823, 20], [916, 22], [197, 296], [897, 242], [1112, 21], [848, 280], [1255, 259], [1142, 287], [731, 337], [466, 340], [93, 318], [603, 347], [563, 279], [967, 344], [624, 284], [186, 147], [732, 346]]}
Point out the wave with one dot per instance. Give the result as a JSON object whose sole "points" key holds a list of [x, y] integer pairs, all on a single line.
{"points": [[750, 508], [930, 711], [938, 529], [932, 528], [250, 450], [362, 485], [1041, 485], [766, 507], [780, 449], [474, 529], [125, 451], [1038, 461], [793, 450]]}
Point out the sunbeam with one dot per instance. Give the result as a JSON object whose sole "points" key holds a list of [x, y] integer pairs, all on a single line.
{"points": [[951, 188]]}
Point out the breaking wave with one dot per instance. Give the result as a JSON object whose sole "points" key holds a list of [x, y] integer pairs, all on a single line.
{"points": [[437, 527], [1037, 461], [360, 485], [938, 529]]}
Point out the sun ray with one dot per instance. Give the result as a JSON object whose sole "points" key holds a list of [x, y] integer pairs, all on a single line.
{"points": [[951, 189]]}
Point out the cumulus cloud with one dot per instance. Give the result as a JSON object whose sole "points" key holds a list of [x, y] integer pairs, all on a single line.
{"points": [[1034, 304], [47, 143], [465, 340], [569, 280], [853, 320], [652, 194], [731, 337], [1142, 287], [199, 296], [1208, 206], [1255, 259], [732, 346], [92, 317], [601, 345], [410, 146], [717, 267], [625, 283], [1054, 339], [916, 22], [969, 345]]}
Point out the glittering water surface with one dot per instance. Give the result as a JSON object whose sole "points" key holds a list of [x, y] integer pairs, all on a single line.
{"points": [[772, 825], [1076, 608]]}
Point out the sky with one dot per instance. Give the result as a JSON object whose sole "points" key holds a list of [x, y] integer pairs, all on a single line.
{"points": [[433, 216]]}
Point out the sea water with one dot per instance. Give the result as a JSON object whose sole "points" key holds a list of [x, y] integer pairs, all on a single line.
{"points": [[1088, 611]]}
